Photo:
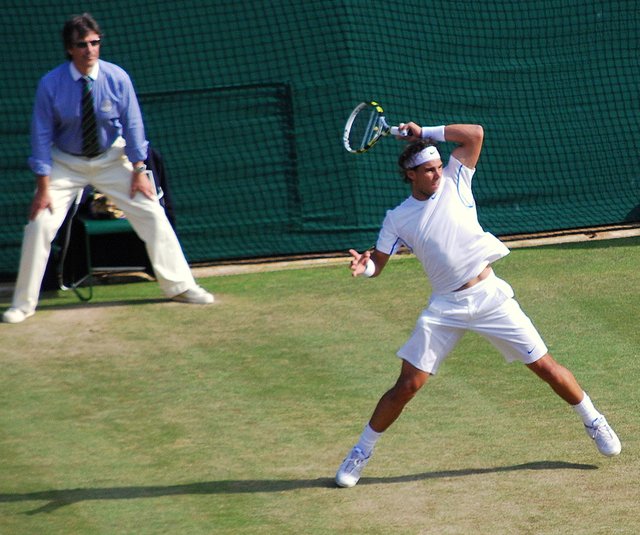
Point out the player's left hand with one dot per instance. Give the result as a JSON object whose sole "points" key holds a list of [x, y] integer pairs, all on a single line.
{"points": [[358, 262]]}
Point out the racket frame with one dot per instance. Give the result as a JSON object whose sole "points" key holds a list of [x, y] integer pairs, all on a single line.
{"points": [[377, 125]]}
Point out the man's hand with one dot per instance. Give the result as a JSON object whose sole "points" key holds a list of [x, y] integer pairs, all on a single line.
{"points": [[140, 182], [358, 262], [42, 198]]}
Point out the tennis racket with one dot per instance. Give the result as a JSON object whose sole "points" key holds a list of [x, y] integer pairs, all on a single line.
{"points": [[365, 126]]}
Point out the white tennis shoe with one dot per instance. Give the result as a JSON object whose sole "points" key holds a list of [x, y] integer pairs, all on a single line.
{"points": [[16, 315], [195, 296], [605, 438], [349, 472]]}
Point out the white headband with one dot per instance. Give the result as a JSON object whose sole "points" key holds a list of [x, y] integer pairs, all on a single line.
{"points": [[425, 155]]}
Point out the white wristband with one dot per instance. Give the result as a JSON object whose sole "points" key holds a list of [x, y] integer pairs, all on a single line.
{"points": [[434, 132], [370, 269]]}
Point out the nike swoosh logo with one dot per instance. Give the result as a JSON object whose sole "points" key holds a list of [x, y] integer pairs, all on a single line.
{"points": [[529, 352]]}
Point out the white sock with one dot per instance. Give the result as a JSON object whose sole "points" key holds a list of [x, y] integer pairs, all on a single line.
{"points": [[586, 410], [368, 440]]}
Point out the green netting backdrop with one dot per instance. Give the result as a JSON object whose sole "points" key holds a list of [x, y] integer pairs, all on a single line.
{"points": [[246, 101]]}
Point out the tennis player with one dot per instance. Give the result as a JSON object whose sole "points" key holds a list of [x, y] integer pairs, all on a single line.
{"points": [[439, 224]]}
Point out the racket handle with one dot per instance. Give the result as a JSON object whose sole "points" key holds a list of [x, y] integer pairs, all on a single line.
{"points": [[395, 131]]}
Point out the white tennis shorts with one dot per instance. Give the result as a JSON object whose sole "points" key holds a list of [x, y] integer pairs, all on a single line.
{"points": [[487, 308]]}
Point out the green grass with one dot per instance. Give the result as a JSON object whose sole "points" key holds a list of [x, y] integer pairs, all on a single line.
{"points": [[135, 415]]}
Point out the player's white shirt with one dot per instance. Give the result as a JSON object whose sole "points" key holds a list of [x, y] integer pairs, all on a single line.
{"points": [[443, 232]]}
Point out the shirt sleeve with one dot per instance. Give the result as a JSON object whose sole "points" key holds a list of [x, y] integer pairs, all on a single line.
{"points": [[388, 239], [42, 123], [132, 124], [459, 170], [462, 177]]}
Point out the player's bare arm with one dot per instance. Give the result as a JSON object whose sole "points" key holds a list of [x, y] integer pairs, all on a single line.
{"points": [[468, 137]]}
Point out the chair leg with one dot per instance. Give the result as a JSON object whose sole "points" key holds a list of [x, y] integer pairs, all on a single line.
{"points": [[89, 276], [76, 288], [75, 285]]}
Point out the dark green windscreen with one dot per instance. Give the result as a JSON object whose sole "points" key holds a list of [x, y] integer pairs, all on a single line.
{"points": [[246, 101]]}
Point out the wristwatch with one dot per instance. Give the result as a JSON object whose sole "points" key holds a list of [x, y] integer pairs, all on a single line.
{"points": [[140, 169]]}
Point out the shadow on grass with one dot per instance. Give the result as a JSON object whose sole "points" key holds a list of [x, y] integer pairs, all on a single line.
{"points": [[104, 304], [57, 499]]}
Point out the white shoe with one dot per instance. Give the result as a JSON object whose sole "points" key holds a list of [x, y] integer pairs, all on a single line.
{"points": [[16, 315], [605, 438], [349, 472], [195, 296]]}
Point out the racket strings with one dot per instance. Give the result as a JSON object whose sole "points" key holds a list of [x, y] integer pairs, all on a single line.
{"points": [[364, 129]]}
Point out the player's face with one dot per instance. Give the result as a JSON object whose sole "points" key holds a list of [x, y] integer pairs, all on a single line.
{"points": [[425, 179], [85, 51]]}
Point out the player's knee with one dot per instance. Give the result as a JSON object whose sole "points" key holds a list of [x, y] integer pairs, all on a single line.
{"points": [[549, 370], [407, 387]]}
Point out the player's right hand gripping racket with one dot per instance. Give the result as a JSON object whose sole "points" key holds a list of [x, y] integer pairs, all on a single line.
{"points": [[365, 126]]}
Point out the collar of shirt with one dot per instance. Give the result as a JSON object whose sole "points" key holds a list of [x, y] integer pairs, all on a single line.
{"points": [[76, 74]]}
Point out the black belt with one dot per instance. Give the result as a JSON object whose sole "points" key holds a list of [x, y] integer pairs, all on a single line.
{"points": [[82, 155]]}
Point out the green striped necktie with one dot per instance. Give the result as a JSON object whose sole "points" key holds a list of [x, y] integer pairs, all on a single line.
{"points": [[90, 146]]}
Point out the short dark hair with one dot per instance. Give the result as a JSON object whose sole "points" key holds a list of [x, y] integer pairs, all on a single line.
{"points": [[411, 150], [80, 25]]}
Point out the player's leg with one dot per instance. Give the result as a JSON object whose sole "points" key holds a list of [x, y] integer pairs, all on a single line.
{"points": [[511, 331], [387, 411], [559, 378], [563, 383], [421, 357], [393, 402]]}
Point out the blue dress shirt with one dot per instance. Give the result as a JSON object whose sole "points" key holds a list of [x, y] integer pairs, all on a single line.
{"points": [[57, 114]]}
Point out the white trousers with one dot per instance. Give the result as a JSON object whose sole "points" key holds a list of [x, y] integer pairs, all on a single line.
{"points": [[111, 174]]}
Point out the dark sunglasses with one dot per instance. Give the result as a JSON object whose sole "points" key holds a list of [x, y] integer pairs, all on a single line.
{"points": [[85, 44]]}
